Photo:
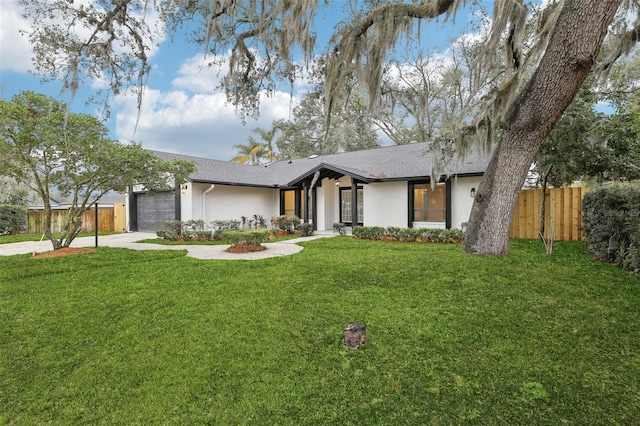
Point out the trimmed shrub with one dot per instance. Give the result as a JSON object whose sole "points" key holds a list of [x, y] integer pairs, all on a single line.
{"points": [[226, 225], [194, 229], [172, 231], [306, 229], [393, 232], [255, 222], [219, 226], [368, 232], [245, 236], [203, 235], [340, 228], [287, 224], [611, 224], [13, 219], [432, 235], [168, 234], [174, 225]]}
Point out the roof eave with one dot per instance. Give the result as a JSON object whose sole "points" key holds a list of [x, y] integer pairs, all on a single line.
{"points": [[330, 167]]}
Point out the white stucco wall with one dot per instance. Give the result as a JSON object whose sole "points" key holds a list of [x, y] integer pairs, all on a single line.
{"points": [[386, 204], [328, 212], [461, 198], [226, 202], [127, 215], [320, 200], [430, 225]]}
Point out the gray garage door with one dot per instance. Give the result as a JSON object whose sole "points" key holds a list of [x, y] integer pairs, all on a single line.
{"points": [[154, 210]]}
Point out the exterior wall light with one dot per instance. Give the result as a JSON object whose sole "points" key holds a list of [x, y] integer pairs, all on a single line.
{"points": [[184, 189], [473, 192]]}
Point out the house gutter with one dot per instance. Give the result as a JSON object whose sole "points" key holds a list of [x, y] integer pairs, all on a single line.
{"points": [[204, 199]]}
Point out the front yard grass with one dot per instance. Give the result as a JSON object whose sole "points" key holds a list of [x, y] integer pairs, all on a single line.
{"points": [[154, 337]]}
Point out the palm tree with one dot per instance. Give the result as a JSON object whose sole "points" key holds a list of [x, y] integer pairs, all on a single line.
{"points": [[267, 136], [250, 153]]}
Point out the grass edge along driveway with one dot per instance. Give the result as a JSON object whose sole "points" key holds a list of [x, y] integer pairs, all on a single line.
{"points": [[121, 337]]}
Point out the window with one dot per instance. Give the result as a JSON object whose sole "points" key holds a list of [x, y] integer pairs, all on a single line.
{"points": [[429, 204], [346, 208], [289, 203]]}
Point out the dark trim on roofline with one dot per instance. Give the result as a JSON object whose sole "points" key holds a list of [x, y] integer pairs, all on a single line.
{"points": [[442, 177], [363, 179], [217, 182], [297, 182], [329, 167]]}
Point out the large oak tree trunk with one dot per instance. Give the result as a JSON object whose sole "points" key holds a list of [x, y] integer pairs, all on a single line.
{"points": [[572, 50]]}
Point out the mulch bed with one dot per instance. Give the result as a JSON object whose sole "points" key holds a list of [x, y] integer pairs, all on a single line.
{"points": [[65, 251], [245, 248]]}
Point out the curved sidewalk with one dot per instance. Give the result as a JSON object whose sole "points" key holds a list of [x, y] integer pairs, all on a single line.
{"points": [[128, 240]]}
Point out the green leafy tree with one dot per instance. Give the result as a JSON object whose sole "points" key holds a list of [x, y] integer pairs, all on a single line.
{"points": [[620, 147], [588, 145], [313, 129], [349, 127], [543, 69], [46, 146]]}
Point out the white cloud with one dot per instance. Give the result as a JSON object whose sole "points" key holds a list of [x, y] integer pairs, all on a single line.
{"points": [[201, 125], [195, 75], [15, 50], [193, 118]]}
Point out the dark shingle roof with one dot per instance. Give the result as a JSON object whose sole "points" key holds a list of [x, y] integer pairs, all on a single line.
{"points": [[216, 171], [398, 162]]}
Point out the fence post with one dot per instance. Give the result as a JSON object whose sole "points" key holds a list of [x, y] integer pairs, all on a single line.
{"points": [[96, 226]]}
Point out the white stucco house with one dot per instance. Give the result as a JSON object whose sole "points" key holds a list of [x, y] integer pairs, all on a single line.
{"points": [[387, 186]]}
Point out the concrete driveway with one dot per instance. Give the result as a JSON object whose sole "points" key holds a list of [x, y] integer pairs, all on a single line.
{"points": [[128, 240]]}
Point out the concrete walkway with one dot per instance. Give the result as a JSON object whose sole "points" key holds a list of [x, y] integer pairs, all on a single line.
{"points": [[128, 240]]}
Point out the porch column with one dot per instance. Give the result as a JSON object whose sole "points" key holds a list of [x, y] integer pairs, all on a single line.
{"points": [[305, 191], [296, 202], [448, 200], [411, 207], [281, 202], [133, 211], [178, 205], [354, 202], [314, 209]]}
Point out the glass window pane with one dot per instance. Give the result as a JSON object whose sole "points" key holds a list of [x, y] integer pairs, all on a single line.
{"points": [[289, 203], [429, 204]]}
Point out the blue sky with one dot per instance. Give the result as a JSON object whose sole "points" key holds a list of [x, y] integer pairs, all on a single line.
{"points": [[180, 112]]}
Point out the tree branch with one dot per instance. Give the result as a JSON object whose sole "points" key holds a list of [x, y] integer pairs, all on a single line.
{"points": [[428, 10], [623, 46]]}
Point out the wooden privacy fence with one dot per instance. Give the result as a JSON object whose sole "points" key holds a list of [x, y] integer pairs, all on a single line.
{"points": [[110, 219], [563, 214]]}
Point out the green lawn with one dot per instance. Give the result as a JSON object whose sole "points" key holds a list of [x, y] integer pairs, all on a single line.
{"points": [[154, 337]]}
